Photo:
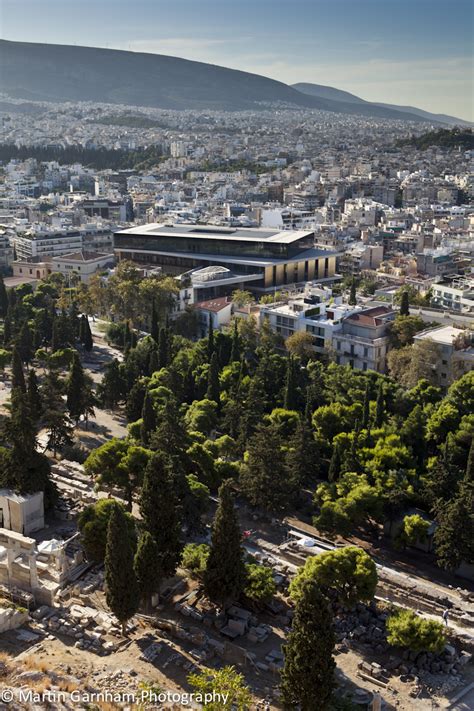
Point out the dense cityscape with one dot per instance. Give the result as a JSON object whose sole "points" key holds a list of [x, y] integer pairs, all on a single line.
{"points": [[236, 407]]}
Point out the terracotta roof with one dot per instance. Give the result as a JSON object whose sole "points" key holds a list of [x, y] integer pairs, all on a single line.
{"points": [[370, 317], [214, 305]]}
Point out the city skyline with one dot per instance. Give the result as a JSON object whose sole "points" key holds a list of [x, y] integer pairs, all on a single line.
{"points": [[421, 57]]}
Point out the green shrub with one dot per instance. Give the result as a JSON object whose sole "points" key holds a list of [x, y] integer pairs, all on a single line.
{"points": [[407, 629], [194, 559], [260, 584], [349, 571]]}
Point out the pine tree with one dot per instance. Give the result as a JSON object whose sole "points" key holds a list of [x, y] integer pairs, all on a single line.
{"points": [[353, 294], [122, 594], [366, 408], [3, 298], [18, 377], [154, 328], [405, 304], [163, 348], [210, 339], [380, 407], [235, 350], [148, 419], [25, 343], [264, 476], [34, 397], [159, 512], [147, 566], [213, 387], [291, 393], [307, 679], [335, 463], [224, 577]]}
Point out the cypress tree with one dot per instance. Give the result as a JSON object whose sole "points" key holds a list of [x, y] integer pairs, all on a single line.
{"points": [[210, 339], [112, 386], [34, 397], [18, 377], [264, 476], [366, 408], [307, 679], [159, 512], [82, 329], [154, 362], [469, 476], [88, 340], [56, 340], [25, 469], [213, 387], [3, 298], [147, 566], [170, 436], [291, 394], [7, 330], [75, 385], [163, 348], [55, 417], [25, 343], [148, 419], [404, 304], [353, 294], [302, 457], [224, 577], [154, 328], [135, 400], [74, 321], [20, 428], [122, 594], [335, 463], [454, 536], [380, 407], [235, 350], [444, 477]]}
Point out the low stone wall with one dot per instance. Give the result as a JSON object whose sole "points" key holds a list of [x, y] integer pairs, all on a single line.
{"points": [[10, 618]]}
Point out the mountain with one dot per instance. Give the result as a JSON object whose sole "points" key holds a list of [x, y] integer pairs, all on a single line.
{"points": [[328, 92], [59, 73]]}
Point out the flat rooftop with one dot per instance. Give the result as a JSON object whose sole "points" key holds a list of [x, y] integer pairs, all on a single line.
{"points": [[240, 234], [444, 335]]}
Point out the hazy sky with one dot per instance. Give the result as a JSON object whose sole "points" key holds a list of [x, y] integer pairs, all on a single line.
{"points": [[416, 52]]}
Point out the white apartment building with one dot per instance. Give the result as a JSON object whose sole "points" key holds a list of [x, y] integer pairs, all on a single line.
{"points": [[456, 347], [456, 296], [313, 311], [362, 342]]}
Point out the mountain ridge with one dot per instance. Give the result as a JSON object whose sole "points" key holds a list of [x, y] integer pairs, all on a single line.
{"points": [[61, 73], [343, 96]]}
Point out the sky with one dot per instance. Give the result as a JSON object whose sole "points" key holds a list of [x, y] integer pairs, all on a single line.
{"points": [[408, 52]]}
